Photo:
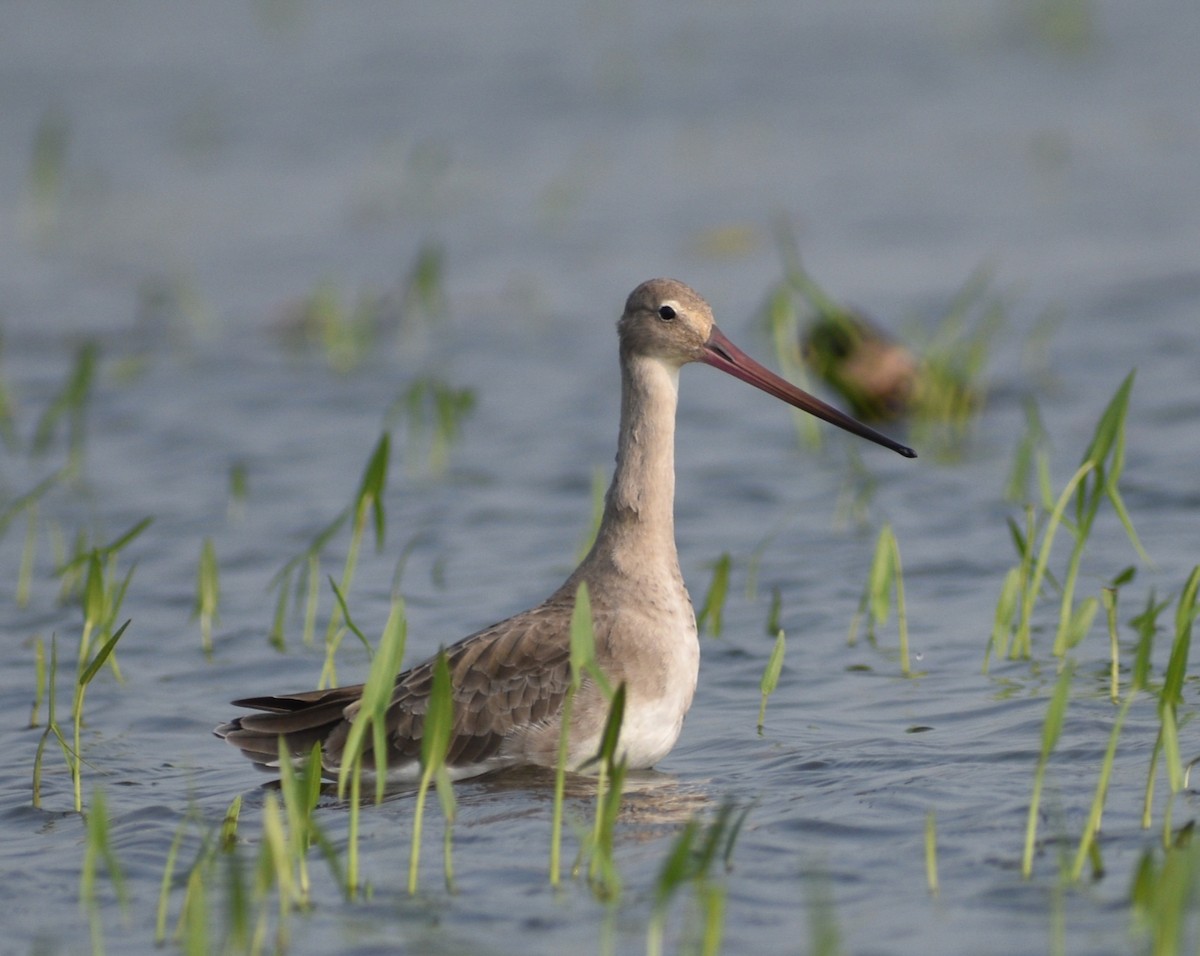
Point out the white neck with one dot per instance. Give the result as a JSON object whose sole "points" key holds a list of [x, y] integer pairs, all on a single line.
{"points": [[637, 534]]}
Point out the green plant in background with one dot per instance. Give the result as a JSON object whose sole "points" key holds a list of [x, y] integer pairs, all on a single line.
{"points": [[434, 412], [47, 170], [938, 383], [425, 286], [208, 595], [239, 486], [70, 404], [366, 505], [712, 611], [1030, 459], [346, 335], [781, 317], [348, 330], [28, 504], [8, 426], [886, 576]]}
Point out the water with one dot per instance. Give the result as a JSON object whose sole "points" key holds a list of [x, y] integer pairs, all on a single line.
{"points": [[221, 162]]}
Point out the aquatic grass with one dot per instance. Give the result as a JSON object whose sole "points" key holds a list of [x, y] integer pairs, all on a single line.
{"points": [[81, 685], [346, 334], [50, 676], [596, 847], [367, 505], [275, 870], [102, 598], [1109, 595], [770, 678], [39, 680], [98, 851], [1095, 481], [102, 593], [599, 486], [885, 578], [368, 502], [1091, 829], [691, 860], [371, 719], [856, 492], [47, 172], [1163, 894], [1106, 453], [1170, 696], [931, 862], [1051, 730], [710, 618], [435, 743], [162, 910], [582, 665], [825, 939], [208, 595], [8, 417], [1012, 629], [425, 286], [70, 404], [434, 412], [781, 317], [239, 487], [299, 790], [28, 504], [941, 390], [1030, 458]]}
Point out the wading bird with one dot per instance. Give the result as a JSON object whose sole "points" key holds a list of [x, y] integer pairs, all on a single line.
{"points": [[510, 680]]}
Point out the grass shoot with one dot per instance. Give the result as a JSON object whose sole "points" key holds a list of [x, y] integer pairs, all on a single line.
{"points": [[208, 595], [368, 732], [1051, 730], [711, 614], [931, 863], [770, 678], [435, 744], [885, 578], [434, 412]]}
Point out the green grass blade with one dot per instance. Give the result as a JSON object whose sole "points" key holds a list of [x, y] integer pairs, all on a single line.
{"points": [[711, 614], [770, 678], [1051, 729]]}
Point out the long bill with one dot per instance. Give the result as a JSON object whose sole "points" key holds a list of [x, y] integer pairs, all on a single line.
{"points": [[720, 353]]}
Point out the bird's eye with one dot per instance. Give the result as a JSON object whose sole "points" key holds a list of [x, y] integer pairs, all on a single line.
{"points": [[666, 313]]}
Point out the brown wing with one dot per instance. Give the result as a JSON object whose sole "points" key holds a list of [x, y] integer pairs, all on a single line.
{"points": [[506, 678]]}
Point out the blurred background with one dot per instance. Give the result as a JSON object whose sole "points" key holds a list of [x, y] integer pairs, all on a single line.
{"points": [[205, 164], [240, 238]]}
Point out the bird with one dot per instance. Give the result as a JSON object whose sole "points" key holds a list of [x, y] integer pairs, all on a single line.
{"points": [[509, 681]]}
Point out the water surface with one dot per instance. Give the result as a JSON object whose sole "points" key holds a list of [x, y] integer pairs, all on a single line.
{"points": [[219, 164]]}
